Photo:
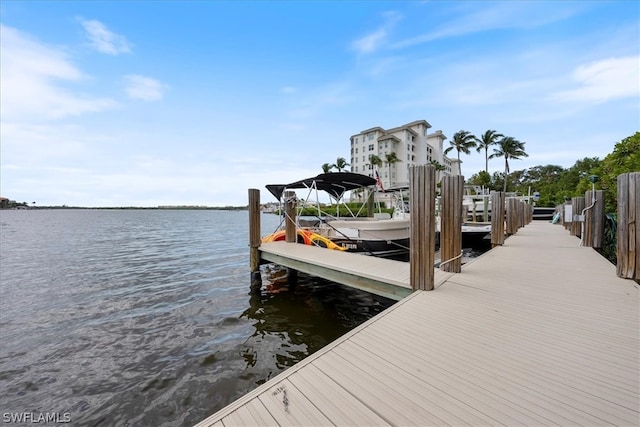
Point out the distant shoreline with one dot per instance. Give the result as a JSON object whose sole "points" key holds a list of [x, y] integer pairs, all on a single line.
{"points": [[166, 208]]}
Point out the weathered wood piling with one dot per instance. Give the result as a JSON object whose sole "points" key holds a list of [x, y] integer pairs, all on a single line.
{"points": [[290, 230], [451, 223], [512, 216], [422, 188], [497, 218], [628, 248], [578, 206], [593, 219], [254, 238]]}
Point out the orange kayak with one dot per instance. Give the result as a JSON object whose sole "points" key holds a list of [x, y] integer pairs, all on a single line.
{"points": [[306, 237]]}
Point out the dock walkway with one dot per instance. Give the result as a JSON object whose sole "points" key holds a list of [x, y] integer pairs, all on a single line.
{"points": [[537, 332]]}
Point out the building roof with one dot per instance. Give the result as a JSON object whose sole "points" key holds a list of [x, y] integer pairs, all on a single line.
{"points": [[419, 122], [437, 133], [388, 136], [373, 129]]}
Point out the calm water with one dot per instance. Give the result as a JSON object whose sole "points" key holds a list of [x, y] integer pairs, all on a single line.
{"points": [[143, 317]]}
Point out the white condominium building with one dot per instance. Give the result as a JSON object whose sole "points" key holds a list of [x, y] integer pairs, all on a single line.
{"points": [[412, 145]]}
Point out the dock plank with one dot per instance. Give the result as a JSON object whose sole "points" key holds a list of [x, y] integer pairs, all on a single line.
{"points": [[340, 406], [398, 407], [449, 354], [290, 407], [537, 332]]}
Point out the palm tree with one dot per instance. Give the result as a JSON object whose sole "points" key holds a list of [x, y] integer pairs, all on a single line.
{"points": [[340, 164], [462, 141], [439, 168], [375, 160], [509, 148], [391, 159], [326, 167], [488, 139]]}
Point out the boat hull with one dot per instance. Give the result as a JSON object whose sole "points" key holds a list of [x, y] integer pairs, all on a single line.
{"points": [[382, 238], [379, 248]]}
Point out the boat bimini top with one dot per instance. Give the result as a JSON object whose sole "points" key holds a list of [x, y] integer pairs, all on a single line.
{"points": [[335, 184]]}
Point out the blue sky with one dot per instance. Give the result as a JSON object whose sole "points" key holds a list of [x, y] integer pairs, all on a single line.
{"points": [[146, 103]]}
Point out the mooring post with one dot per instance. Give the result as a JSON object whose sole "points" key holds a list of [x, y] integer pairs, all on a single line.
{"points": [[497, 218], [370, 204], [593, 219], [628, 234], [512, 212], [628, 246], [576, 226], [451, 223], [422, 189], [567, 216], [485, 207], [598, 220], [290, 229], [290, 216], [254, 239]]}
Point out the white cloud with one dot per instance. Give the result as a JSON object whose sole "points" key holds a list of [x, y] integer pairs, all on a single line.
{"points": [[144, 88], [103, 40], [373, 41], [473, 17], [32, 77], [604, 80], [370, 42]]}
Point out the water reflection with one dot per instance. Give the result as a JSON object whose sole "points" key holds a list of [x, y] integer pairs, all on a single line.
{"points": [[292, 321]]}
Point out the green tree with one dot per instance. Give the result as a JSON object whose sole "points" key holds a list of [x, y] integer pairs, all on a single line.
{"points": [[518, 179], [340, 164], [575, 179], [624, 158], [375, 161], [497, 181], [439, 168], [509, 148], [489, 138], [546, 180], [482, 178], [462, 141], [326, 167]]}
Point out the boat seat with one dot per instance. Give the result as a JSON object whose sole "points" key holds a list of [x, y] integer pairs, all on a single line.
{"points": [[309, 223]]}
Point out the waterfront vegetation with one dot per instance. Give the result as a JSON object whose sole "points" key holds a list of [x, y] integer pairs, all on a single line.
{"points": [[557, 184], [25, 205]]}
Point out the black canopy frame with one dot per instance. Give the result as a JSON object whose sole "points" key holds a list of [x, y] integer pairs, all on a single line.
{"points": [[335, 184]]}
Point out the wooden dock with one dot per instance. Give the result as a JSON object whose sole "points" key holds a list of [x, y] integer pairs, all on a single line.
{"points": [[536, 332], [379, 276]]}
